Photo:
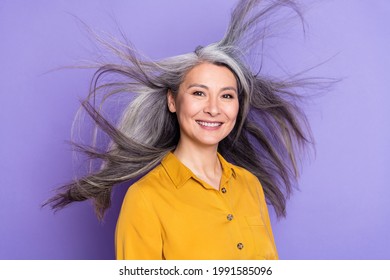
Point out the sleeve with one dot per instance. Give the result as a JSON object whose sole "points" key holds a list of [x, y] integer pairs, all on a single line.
{"points": [[138, 230], [264, 212]]}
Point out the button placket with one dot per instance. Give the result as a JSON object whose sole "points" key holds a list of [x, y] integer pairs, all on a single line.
{"points": [[234, 226]]}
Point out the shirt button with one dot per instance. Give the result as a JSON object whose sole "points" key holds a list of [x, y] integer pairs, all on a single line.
{"points": [[240, 246], [229, 217], [223, 190]]}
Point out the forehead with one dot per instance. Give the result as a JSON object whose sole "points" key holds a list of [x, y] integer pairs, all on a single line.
{"points": [[210, 75]]}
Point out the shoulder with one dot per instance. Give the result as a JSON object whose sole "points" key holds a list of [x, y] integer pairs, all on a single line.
{"points": [[152, 178], [246, 178], [150, 185], [243, 173], [238, 171], [149, 181]]}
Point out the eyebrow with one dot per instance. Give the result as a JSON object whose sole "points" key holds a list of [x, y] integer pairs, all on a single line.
{"points": [[206, 87]]}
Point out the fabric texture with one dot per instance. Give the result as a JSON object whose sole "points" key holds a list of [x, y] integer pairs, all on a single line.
{"points": [[172, 214]]}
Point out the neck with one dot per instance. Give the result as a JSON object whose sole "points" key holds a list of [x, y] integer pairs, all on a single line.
{"points": [[201, 160]]}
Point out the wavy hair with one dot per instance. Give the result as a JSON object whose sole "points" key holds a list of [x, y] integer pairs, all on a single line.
{"points": [[267, 139]]}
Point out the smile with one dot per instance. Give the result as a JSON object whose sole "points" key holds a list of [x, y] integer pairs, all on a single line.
{"points": [[209, 124]]}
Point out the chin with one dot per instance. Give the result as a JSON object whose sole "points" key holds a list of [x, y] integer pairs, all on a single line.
{"points": [[209, 142]]}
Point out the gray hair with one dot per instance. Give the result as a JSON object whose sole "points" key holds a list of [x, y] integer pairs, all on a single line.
{"points": [[269, 132]]}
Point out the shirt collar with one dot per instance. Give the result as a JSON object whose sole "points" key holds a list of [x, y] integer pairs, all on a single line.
{"points": [[180, 174], [228, 170]]}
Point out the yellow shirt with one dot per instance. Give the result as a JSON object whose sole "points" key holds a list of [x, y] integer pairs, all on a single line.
{"points": [[172, 214]]}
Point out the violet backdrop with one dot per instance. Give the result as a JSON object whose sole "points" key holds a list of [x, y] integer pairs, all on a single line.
{"points": [[341, 210]]}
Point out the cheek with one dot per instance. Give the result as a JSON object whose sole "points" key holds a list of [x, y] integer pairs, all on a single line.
{"points": [[188, 108], [233, 111]]}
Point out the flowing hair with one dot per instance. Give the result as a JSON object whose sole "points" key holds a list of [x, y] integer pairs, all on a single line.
{"points": [[268, 138]]}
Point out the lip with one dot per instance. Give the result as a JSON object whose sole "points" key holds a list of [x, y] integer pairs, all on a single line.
{"points": [[209, 124]]}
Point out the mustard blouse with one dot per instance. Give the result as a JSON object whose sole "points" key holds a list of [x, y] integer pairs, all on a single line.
{"points": [[172, 214]]}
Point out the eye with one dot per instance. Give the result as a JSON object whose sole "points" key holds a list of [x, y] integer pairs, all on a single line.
{"points": [[227, 96], [198, 93]]}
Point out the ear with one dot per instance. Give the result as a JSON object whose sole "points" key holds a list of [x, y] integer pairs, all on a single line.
{"points": [[171, 102]]}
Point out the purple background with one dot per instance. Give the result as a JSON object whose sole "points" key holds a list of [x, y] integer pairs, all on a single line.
{"points": [[342, 208]]}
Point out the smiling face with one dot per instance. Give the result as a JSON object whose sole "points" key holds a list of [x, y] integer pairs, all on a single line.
{"points": [[206, 105]]}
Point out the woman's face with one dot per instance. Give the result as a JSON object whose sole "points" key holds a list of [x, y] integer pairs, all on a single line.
{"points": [[206, 105]]}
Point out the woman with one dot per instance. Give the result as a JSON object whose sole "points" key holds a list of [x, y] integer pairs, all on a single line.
{"points": [[195, 205], [206, 131]]}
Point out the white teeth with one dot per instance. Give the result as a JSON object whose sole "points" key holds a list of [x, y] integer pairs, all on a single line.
{"points": [[213, 124]]}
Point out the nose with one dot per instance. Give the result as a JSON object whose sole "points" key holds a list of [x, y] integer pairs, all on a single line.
{"points": [[212, 107]]}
